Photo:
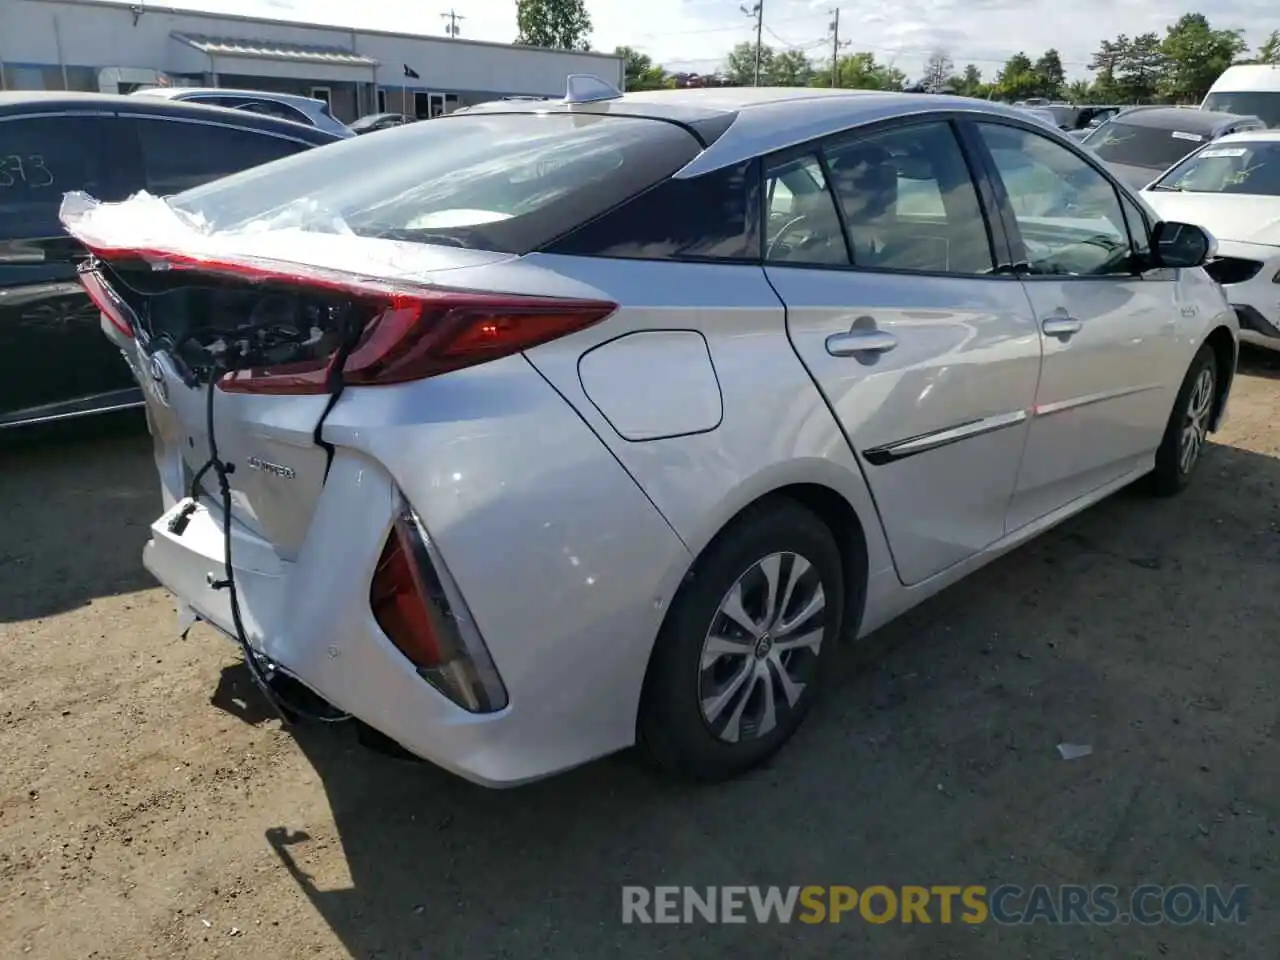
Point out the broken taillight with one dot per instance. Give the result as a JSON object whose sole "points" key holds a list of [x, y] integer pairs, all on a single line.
{"points": [[106, 300], [418, 606], [413, 332]]}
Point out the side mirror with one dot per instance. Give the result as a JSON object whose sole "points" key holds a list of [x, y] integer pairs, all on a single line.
{"points": [[1182, 244]]}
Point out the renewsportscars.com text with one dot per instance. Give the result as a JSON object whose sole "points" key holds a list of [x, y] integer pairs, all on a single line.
{"points": [[1100, 904]]}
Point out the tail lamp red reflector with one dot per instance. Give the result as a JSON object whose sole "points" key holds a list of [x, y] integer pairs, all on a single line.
{"points": [[417, 605], [106, 300]]}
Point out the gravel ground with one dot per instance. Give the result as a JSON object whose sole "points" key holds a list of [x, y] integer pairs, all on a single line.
{"points": [[150, 808]]}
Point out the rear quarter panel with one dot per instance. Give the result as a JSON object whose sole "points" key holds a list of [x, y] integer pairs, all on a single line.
{"points": [[775, 429]]}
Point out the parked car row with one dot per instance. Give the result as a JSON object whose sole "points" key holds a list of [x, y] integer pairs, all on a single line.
{"points": [[565, 426], [54, 361]]}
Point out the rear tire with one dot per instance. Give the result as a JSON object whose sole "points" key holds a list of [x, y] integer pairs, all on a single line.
{"points": [[1186, 433], [740, 657]]}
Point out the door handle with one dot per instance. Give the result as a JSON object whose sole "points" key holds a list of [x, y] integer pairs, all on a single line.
{"points": [[1061, 326], [860, 341]]}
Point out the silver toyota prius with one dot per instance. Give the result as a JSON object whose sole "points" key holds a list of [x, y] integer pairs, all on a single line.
{"points": [[548, 428]]}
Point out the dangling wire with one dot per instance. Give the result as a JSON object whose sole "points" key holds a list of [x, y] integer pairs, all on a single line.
{"points": [[286, 710]]}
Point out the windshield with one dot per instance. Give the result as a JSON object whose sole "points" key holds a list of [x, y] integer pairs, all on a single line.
{"points": [[1263, 104], [1062, 116], [1153, 147], [501, 182], [1239, 167]]}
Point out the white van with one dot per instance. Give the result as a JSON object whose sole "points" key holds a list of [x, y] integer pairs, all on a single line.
{"points": [[1250, 90]]}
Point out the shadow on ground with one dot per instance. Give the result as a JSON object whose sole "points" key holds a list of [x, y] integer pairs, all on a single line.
{"points": [[78, 500], [1143, 628]]}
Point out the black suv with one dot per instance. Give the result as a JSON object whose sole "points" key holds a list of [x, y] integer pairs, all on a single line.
{"points": [[55, 362]]}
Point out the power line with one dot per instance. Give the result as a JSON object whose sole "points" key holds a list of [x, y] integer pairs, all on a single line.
{"points": [[730, 28]]}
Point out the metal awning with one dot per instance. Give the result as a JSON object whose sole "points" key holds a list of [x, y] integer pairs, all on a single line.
{"points": [[274, 50]]}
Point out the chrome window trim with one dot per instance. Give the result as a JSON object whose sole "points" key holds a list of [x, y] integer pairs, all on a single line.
{"points": [[922, 443]]}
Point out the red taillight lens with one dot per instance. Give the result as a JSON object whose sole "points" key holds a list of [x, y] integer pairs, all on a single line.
{"points": [[417, 605], [401, 603], [439, 333], [106, 300]]}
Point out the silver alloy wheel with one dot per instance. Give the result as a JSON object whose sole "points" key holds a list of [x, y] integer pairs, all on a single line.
{"points": [[761, 646], [1195, 426]]}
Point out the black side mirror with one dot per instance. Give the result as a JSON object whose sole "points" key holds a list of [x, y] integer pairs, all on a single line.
{"points": [[1176, 244]]}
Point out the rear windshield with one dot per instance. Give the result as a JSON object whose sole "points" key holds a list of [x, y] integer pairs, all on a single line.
{"points": [[1153, 147], [1236, 166], [1263, 104], [504, 182]]}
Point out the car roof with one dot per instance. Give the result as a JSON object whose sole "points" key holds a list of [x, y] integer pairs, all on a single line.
{"points": [[174, 92], [739, 123], [1185, 119], [1263, 134], [44, 101]]}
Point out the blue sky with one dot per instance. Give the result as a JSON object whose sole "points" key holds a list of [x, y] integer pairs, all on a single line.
{"points": [[695, 34]]}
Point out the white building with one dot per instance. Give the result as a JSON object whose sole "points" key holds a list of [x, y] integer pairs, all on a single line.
{"points": [[101, 45]]}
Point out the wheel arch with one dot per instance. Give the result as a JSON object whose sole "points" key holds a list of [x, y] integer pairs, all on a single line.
{"points": [[850, 527], [1225, 351]]}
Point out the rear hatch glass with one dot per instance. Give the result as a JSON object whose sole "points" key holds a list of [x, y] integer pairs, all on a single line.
{"points": [[504, 182], [1153, 148]]}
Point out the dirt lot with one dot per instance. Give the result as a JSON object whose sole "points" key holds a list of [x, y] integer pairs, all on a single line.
{"points": [[149, 808]]}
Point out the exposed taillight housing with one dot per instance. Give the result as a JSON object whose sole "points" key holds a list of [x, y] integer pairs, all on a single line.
{"points": [[418, 606], [412, 337], [117, 312], [414, 331]]}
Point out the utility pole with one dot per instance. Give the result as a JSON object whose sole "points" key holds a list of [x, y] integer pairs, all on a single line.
{"points": [[452, 29], [757, 10], [836, 44]]}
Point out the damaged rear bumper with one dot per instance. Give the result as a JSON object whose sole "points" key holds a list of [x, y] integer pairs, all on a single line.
{"points": [[312, 621]]}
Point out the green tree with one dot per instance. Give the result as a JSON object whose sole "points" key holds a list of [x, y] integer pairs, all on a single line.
{"points": [[1081, 91], [1194, 56], [1141, 68], [969, 82], [791, 68], [1105, 63], [560, 24], [641, 72], [1269, 52], [1017, 80], [860, 71], [1048, 69], [740, 67]]}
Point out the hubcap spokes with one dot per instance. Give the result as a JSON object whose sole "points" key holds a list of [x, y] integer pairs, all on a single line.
{"points": [[759, 652], [1195, 425]]}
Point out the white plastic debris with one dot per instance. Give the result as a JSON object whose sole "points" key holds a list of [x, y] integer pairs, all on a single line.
{"points": [[1074, 751]]}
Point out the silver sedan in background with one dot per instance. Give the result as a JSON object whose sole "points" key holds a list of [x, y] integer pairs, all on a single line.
{"points": [[568, 426]]}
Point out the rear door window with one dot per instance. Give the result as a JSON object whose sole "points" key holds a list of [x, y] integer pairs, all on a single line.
{"points": [[271, 108], [504, 182], [909, 200], [41, 158], [179, 154]]}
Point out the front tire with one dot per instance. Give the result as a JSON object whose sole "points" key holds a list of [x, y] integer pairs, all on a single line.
{"points": [[738, 661], [1188, 427]]}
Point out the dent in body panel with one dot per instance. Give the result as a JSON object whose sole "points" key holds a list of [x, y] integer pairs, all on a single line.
{"points": [[653, 384], [556, 550], [775, 431]]}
